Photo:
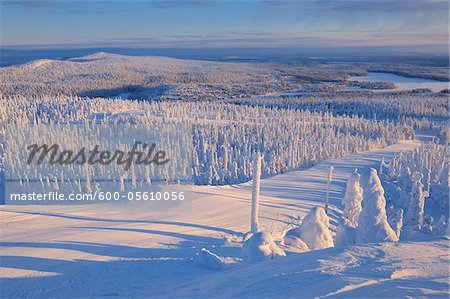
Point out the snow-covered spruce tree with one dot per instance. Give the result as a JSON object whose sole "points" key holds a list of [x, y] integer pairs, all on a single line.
{"points": [[255, 192], [314, 231], [352, 208], [122, 184], [414, 215], [442, 228], [88, 178], [381, 166], [395, 219], [148, 179], [346, 233], [133, 177], [352, 199], [373, 225]]}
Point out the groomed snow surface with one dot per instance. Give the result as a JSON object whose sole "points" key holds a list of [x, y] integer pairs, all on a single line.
{"points": [[196, 250]]}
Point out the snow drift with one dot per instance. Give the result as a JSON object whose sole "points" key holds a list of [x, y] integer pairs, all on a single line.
{"points": [[261, 246], [314, 231], [207, 259]]}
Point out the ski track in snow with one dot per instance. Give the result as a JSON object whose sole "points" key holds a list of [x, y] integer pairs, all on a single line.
{"points": [[108, 251]]}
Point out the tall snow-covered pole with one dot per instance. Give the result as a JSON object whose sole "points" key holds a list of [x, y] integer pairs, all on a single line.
{"points": [[255, 192], [327, 198]]}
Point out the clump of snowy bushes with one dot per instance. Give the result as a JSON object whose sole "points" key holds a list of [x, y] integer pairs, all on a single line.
{"points": [[418, 183]]}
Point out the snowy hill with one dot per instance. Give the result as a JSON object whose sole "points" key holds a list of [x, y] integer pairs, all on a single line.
{"points": [[143, 252]]}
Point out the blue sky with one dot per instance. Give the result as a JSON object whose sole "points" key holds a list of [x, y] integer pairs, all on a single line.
{"points": [[222, 24]]}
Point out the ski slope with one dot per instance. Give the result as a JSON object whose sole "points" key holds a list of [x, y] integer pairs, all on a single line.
{"points": [[139, 251]]}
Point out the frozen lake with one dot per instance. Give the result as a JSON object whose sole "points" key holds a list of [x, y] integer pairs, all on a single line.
{"points": [[402, 83]]}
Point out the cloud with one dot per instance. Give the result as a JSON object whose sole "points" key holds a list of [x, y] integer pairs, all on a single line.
{"points": [[175, 4], [252, 23], [362, 5], [66, 6], [105, 6], [279, 39]]}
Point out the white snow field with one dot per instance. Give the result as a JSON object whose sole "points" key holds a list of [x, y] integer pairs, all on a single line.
{"points": [[136, 252]]}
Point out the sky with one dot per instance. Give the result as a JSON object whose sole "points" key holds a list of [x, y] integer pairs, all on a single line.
{"points": [[225, 24]]}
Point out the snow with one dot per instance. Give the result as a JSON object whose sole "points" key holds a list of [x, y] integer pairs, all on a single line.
{"points": [[304, 228], [313, 232], [207, 259], [138, 251], [39, 62], [260, 247], [294, 242], [389, 270]]}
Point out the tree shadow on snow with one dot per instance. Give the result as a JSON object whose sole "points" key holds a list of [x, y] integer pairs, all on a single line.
{"points": [[175, 223], [128, 271]]}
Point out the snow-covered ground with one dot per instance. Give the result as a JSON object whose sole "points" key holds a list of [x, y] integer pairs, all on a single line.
{"points": [[402, 83], [137, 251]]}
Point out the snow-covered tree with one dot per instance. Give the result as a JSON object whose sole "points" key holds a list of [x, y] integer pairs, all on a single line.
{"points": [[133, 177], [352, 200], [88, 177], [373, 225], [414, 215], [346, 233], [148, 179], [382, 164], [395, 219], [442, 228]]}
